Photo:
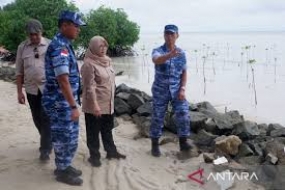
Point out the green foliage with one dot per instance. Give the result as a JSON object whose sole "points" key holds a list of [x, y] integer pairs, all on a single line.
{"points": [[14, 16], [251, 61], [113, 25]]}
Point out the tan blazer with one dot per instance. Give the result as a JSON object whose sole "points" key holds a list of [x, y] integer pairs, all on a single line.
{"points": [[98, 87]]}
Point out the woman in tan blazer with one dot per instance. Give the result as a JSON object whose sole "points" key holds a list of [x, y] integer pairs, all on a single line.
{"points": [[98, 79]]}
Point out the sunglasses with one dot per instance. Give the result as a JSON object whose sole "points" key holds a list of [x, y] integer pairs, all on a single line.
{"points": [[36, 52]]}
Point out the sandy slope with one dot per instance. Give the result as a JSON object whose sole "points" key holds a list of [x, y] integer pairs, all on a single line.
{"points": [[20, 168]]}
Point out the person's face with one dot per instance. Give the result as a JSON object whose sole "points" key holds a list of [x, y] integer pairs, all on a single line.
{"points": [[170, 38], [35, 37], [70, 30], [103, 47]]}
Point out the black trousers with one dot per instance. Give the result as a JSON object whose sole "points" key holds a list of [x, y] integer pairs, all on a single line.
{"points": [[41, 122], [94, 125]]}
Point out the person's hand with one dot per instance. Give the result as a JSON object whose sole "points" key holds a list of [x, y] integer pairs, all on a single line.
{"points": [[21, 98], [181, 94], [75, 114], [174, 53], [97, 111]]}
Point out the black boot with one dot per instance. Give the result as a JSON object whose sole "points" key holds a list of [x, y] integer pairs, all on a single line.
{"points": [[67, 176], [155, 147], [115, 155], [71, 170], [184, 145], [44, 157], [95, 162]]}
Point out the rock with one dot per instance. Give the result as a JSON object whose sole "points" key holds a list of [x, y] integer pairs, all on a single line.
{"points": [[145, 110], [123, 88], [271, 158], [145, 127], [210, 125], [278, 133], [234, 117], [244, 150], [246, 130], [206, 108], [276, 148], [7, 73], [208, 157], [228, 145], [166, 140], [120, 73], [123, 95], [272, 127], [136, 118], [204, 138], [116, 123], [197, 121], [126, 117], [143, 124], [263, 128], [135, 101], [250, 160], [256, 147], [193, 107], [121, 107]]}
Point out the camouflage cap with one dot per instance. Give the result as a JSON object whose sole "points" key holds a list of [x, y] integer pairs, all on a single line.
{"points": [[72, 16]]}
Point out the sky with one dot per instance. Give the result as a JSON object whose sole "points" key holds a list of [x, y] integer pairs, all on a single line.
{"points": [[197, 15]]}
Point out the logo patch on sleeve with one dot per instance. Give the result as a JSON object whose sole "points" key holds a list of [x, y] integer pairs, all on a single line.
{"points": [[64, 52]]}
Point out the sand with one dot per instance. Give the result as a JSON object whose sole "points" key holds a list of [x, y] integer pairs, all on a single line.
{"points": [[20, 167]]}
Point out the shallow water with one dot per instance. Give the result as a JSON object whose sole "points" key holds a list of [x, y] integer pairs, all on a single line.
{"points": [[228, 76]]}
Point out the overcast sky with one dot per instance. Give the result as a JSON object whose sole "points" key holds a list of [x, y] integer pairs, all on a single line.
{"points": [[198, 15]]}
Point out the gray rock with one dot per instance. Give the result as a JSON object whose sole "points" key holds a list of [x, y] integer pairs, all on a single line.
{"points": [[123, 95], [256, 147], [145, 110], [276, 148], [123, 88], [263, 128], [244, 150], [193, 107], [116, 123], [206, 108], [121, 107], [228, 145], [197, 121], [273, 126], [234, 117], [126, 117], [210, 125], [135, 101], [246, 130], [271, 158], [278, 133], [7, 73], [208, 157], [143, 124], [205, 138], [145, 127], [250, 160]]}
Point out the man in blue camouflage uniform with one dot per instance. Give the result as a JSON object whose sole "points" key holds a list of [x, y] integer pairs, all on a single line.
{"points": [[169, 86], [60, 96]]}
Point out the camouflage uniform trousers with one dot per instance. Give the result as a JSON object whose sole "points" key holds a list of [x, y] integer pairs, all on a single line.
{"points": [[64, 134], [161, 99]]}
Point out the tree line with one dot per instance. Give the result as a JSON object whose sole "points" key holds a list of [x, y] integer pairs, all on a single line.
{"points": [[113, 25]]}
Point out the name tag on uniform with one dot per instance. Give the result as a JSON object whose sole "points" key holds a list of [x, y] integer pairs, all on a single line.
{"points": [[64, 52]]}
